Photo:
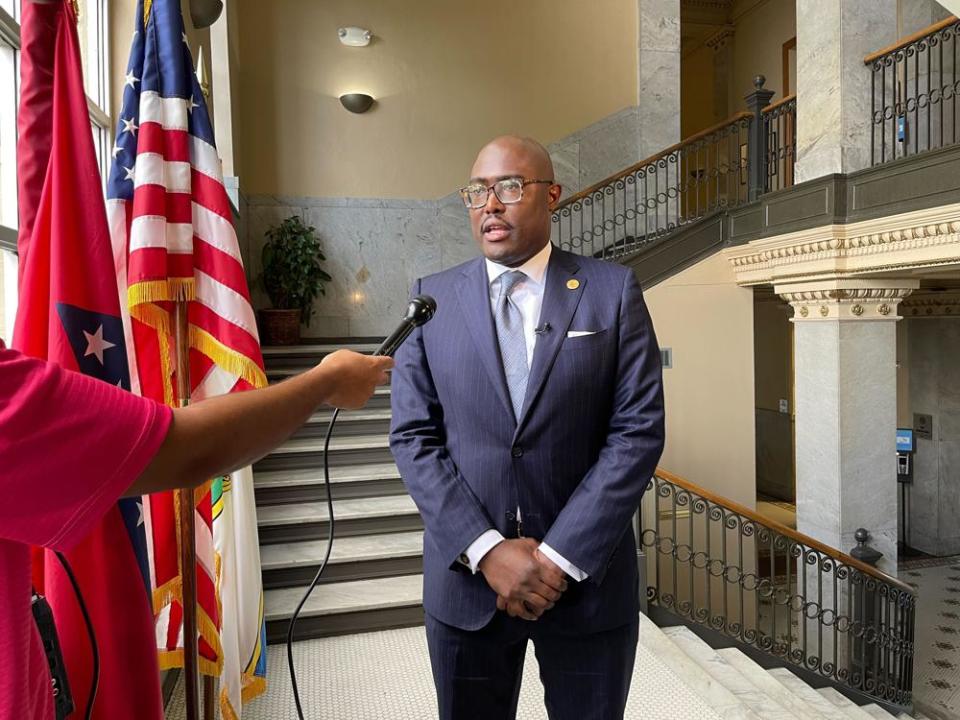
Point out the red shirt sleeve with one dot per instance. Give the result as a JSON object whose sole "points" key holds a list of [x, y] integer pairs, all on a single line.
{"points": [[70, 446]]}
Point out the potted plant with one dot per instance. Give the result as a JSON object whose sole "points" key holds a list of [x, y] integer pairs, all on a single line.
{"points": [[292, 277]]}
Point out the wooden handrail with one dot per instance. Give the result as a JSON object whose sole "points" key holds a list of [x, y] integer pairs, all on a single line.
{"points": [[778, 103], [784, 530], [903, 42], [652, 159]]}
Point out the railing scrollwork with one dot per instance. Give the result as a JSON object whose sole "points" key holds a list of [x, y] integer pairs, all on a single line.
{"points": [[720, 565]]}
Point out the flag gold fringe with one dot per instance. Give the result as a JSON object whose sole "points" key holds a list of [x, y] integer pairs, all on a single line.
{"points": [[226, 709], [157, 318], [253, 687], [226, 358], [153, 291], [167, 593], [170, 659], [147, 4]]}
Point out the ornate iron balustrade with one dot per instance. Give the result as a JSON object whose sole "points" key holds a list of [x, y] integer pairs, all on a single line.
{"points": [[914, 88], [718, 564], [719, 168], [780, 130], [658, 195]]}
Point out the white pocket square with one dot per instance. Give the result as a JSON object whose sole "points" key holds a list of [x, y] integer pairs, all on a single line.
{"points": [[581, 333]]}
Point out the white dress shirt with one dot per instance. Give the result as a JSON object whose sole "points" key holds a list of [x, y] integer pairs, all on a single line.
{"points": [[528, 297]]}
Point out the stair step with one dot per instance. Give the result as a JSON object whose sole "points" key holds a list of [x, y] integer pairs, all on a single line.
{"points": [[849, 708], [724, 702], [344, 450], [368, 421], [310, 353], [360, 516], [767, 684], [351, 558], [346, 481], [764, 706], [347, 607], [877, 712], [806, 693]]}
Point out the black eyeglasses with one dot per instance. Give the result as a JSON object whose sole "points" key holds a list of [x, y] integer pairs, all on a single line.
{"points": [[507, 190]]}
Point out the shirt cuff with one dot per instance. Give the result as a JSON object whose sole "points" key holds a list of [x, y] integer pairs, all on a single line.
{"points": [[472, 556], [564, 564]]}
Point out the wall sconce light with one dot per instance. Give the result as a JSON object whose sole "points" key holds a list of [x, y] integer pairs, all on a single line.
{"points": [[356, 102]]}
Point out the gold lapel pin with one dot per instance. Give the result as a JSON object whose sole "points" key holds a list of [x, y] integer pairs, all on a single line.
{"points": [[573, 284]]}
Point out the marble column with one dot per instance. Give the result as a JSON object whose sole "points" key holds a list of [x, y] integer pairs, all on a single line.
{"points": [[833, 84], [658, 75], [846, 410]]}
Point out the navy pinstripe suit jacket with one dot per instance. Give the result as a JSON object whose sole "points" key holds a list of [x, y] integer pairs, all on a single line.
{"points": [[577, 459]]}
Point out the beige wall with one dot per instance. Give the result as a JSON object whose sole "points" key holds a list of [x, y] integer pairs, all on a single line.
{"points": [[697, 97], [446, 80], [762, 27], [708, 322]]}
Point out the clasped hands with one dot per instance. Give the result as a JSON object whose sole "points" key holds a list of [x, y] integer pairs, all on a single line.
{"points": [[527, 582]]}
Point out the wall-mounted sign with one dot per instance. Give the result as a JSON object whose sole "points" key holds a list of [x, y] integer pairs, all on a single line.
{"points": [[923, 426]]}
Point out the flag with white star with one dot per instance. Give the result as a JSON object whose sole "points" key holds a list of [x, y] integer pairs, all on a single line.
{"points": [[173, 236], [69, 314]]}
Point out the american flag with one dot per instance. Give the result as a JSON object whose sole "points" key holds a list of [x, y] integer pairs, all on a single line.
{"points": [[173, 239]]}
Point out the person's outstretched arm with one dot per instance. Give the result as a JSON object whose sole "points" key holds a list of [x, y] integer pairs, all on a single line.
{"points": [[225, 433]]}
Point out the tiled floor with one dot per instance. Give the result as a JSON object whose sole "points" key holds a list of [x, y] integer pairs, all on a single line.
{"points": [[386, 676], [936, 682]]}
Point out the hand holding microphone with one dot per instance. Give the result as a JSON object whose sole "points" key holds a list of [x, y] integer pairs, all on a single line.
{"points": [[357, 377]]}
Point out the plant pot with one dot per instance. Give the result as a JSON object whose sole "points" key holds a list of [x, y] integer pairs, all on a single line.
{"points": [[280, 327]]}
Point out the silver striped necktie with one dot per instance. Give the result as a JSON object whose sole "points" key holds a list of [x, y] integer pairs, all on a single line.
{"points": [[513, 344]]}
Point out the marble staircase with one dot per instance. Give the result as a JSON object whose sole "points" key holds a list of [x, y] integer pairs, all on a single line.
{"points": [[373, 578], [735, 687]]}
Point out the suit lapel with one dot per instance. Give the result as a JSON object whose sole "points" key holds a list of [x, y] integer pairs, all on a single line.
{"points": [[560, 299], [473, 295]]}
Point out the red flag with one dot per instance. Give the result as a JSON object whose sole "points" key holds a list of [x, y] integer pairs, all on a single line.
{"points": [[69, 314]]}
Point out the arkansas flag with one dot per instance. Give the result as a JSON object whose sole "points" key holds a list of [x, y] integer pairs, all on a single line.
{"points": [[69, 314]]}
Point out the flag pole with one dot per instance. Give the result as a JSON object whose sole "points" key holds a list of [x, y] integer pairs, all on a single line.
{"points": [[188, 539]]}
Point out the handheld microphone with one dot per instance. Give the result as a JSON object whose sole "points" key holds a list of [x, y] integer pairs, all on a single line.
{"points": [[419, 311]]}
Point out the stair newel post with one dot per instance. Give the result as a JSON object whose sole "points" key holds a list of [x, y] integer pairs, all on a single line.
{"points": [[757, 155], [866, 611]]}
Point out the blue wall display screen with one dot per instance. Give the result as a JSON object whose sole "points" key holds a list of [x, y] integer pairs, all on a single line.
{"points": [[904, 440]]}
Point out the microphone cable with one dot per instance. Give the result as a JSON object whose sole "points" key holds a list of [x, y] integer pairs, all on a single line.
{"points": [[420, 310], [94, 648], [323, 565]]}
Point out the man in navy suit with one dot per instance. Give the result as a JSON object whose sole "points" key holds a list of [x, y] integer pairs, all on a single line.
{"points": [[527, 421]]}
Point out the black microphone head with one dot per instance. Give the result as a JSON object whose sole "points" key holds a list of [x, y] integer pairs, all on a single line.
{"points": [[421, 309]]}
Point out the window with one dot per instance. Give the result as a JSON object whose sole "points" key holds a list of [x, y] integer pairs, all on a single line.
{"points": [[92, 32], [9, 76]]}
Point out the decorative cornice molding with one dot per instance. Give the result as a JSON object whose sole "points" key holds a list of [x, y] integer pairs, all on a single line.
{"points": [[944, 304], [720, 39], [847, 300], [926, 238], [707, 4]]}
